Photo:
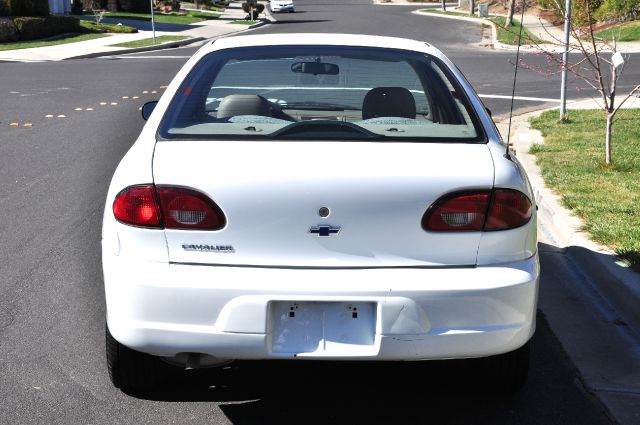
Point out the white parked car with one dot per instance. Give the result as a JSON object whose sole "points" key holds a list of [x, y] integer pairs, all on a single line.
{"points": [[318, 196], [282, 6]]}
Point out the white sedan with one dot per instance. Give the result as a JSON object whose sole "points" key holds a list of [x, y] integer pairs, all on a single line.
{"points": [[318, 196], [282, 6]]}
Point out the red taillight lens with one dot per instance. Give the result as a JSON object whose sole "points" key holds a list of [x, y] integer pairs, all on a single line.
{"points": [[509, 209], [457, 212], [188, 209], [138, 206], [501, 209]]}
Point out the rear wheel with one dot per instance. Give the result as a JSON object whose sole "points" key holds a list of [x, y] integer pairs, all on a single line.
{"points": [[507, 373], [131, 370]]}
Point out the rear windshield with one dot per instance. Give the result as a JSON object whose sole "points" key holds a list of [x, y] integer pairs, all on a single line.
{"points": [[320, 93]]}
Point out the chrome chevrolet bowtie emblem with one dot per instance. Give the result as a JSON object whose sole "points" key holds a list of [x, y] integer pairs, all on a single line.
{"points": [[324, 230]]}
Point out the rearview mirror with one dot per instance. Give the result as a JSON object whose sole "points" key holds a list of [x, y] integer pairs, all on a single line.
{"points": [[315, 68], [148, 108]]}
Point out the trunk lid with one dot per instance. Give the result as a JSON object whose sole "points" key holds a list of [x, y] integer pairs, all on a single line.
{"points": [[272, 193]]}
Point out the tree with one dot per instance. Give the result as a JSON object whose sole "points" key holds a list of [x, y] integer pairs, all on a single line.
{"points": [[597, 66], [512, 6]]}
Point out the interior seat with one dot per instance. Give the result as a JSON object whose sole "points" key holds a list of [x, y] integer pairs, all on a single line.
{"points": [[388, 102], [249, 104]]}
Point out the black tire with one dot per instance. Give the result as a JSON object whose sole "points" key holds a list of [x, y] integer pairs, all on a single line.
{"points": [[130, 370], [507, 373]]}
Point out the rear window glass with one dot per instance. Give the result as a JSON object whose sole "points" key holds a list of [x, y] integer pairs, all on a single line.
{"points": [[320, 92]]}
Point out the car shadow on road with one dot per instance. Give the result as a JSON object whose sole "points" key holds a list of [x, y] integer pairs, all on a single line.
{"points": [[305, 21], [390, 393]]}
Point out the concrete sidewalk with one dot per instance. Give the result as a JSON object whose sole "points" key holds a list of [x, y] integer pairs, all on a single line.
{"points": [[103, 46], [594, 310], [551, 36]]}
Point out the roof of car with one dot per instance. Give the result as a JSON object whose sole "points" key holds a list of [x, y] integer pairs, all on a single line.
{"points": [[321, 39]]}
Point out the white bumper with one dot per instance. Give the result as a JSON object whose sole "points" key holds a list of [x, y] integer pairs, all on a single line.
{"points": [[241, 312]]}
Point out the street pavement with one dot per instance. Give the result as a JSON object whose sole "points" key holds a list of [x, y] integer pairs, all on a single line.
{"points": [[77, 118]]}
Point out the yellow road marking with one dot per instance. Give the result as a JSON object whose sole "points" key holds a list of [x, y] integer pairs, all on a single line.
{"points": [[78, 109], [48, 116], [103, 103], [14, 124], [89, 109], [125, 97], [135, 97], [154, 91], [114, 103], [163, 87], [27, 124], [62, 116], [145, 91]]}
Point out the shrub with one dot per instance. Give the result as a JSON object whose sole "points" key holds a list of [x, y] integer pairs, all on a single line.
{"points": [[579, 15], [31, 28], [8, 30], [619, 10], [137, 6], [77, 7], [28, 7]]}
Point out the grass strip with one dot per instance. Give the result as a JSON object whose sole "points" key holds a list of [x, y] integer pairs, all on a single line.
{"points": [[629, 31], [605, 197], [165, 18], [74, 38], [149, 41], [440, 12], [102, 27], [509, 35], [202, 7], [505, 35]]}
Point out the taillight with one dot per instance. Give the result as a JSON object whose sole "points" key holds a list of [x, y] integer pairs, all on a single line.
{"points": [[457, 212], [188, 209], [509, 209], [500, 209], [167, 207], [138, 206]]}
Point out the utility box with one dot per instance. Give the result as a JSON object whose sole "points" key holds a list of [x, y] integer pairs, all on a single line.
{"points": [[483, 10]]}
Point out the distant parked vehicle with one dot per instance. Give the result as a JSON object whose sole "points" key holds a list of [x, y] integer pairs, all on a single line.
{"points": [[281, 6]]}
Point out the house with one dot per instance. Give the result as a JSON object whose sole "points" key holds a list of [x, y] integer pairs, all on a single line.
{"points": [[60, 7]]}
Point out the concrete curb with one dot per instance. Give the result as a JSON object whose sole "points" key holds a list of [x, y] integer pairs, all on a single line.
{"points": [[501, 46], [618, 284], [169, 45], [494, 32]]}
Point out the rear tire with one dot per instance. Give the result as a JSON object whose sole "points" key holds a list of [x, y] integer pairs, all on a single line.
{"points": [[131, 370], [507, 373]]}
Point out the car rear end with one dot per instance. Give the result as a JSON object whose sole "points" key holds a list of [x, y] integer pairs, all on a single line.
{"points": [[331, 229], [282, 6]]}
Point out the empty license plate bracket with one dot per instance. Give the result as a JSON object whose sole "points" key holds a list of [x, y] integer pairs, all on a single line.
{"points": [[323, 328]]}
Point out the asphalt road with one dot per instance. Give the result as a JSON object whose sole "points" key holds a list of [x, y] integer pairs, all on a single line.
{"points": [[55, 172]]}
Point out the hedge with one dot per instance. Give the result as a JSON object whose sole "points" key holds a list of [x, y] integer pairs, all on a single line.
{"points": [[32, 28]]}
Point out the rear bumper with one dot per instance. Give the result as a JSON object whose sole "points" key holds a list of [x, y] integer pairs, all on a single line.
{"points": [[236, 312], [289, 8]]}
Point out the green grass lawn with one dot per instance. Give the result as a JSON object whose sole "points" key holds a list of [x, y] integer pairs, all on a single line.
{"points": [[629, 31], [46, 43], [172, 18], [102, 27], [149, 41], [605, 197], [510, 35], [440, 12]]}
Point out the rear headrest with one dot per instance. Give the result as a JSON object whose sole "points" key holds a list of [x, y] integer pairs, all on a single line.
{"points": [[244, 104], [388, 102]]}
